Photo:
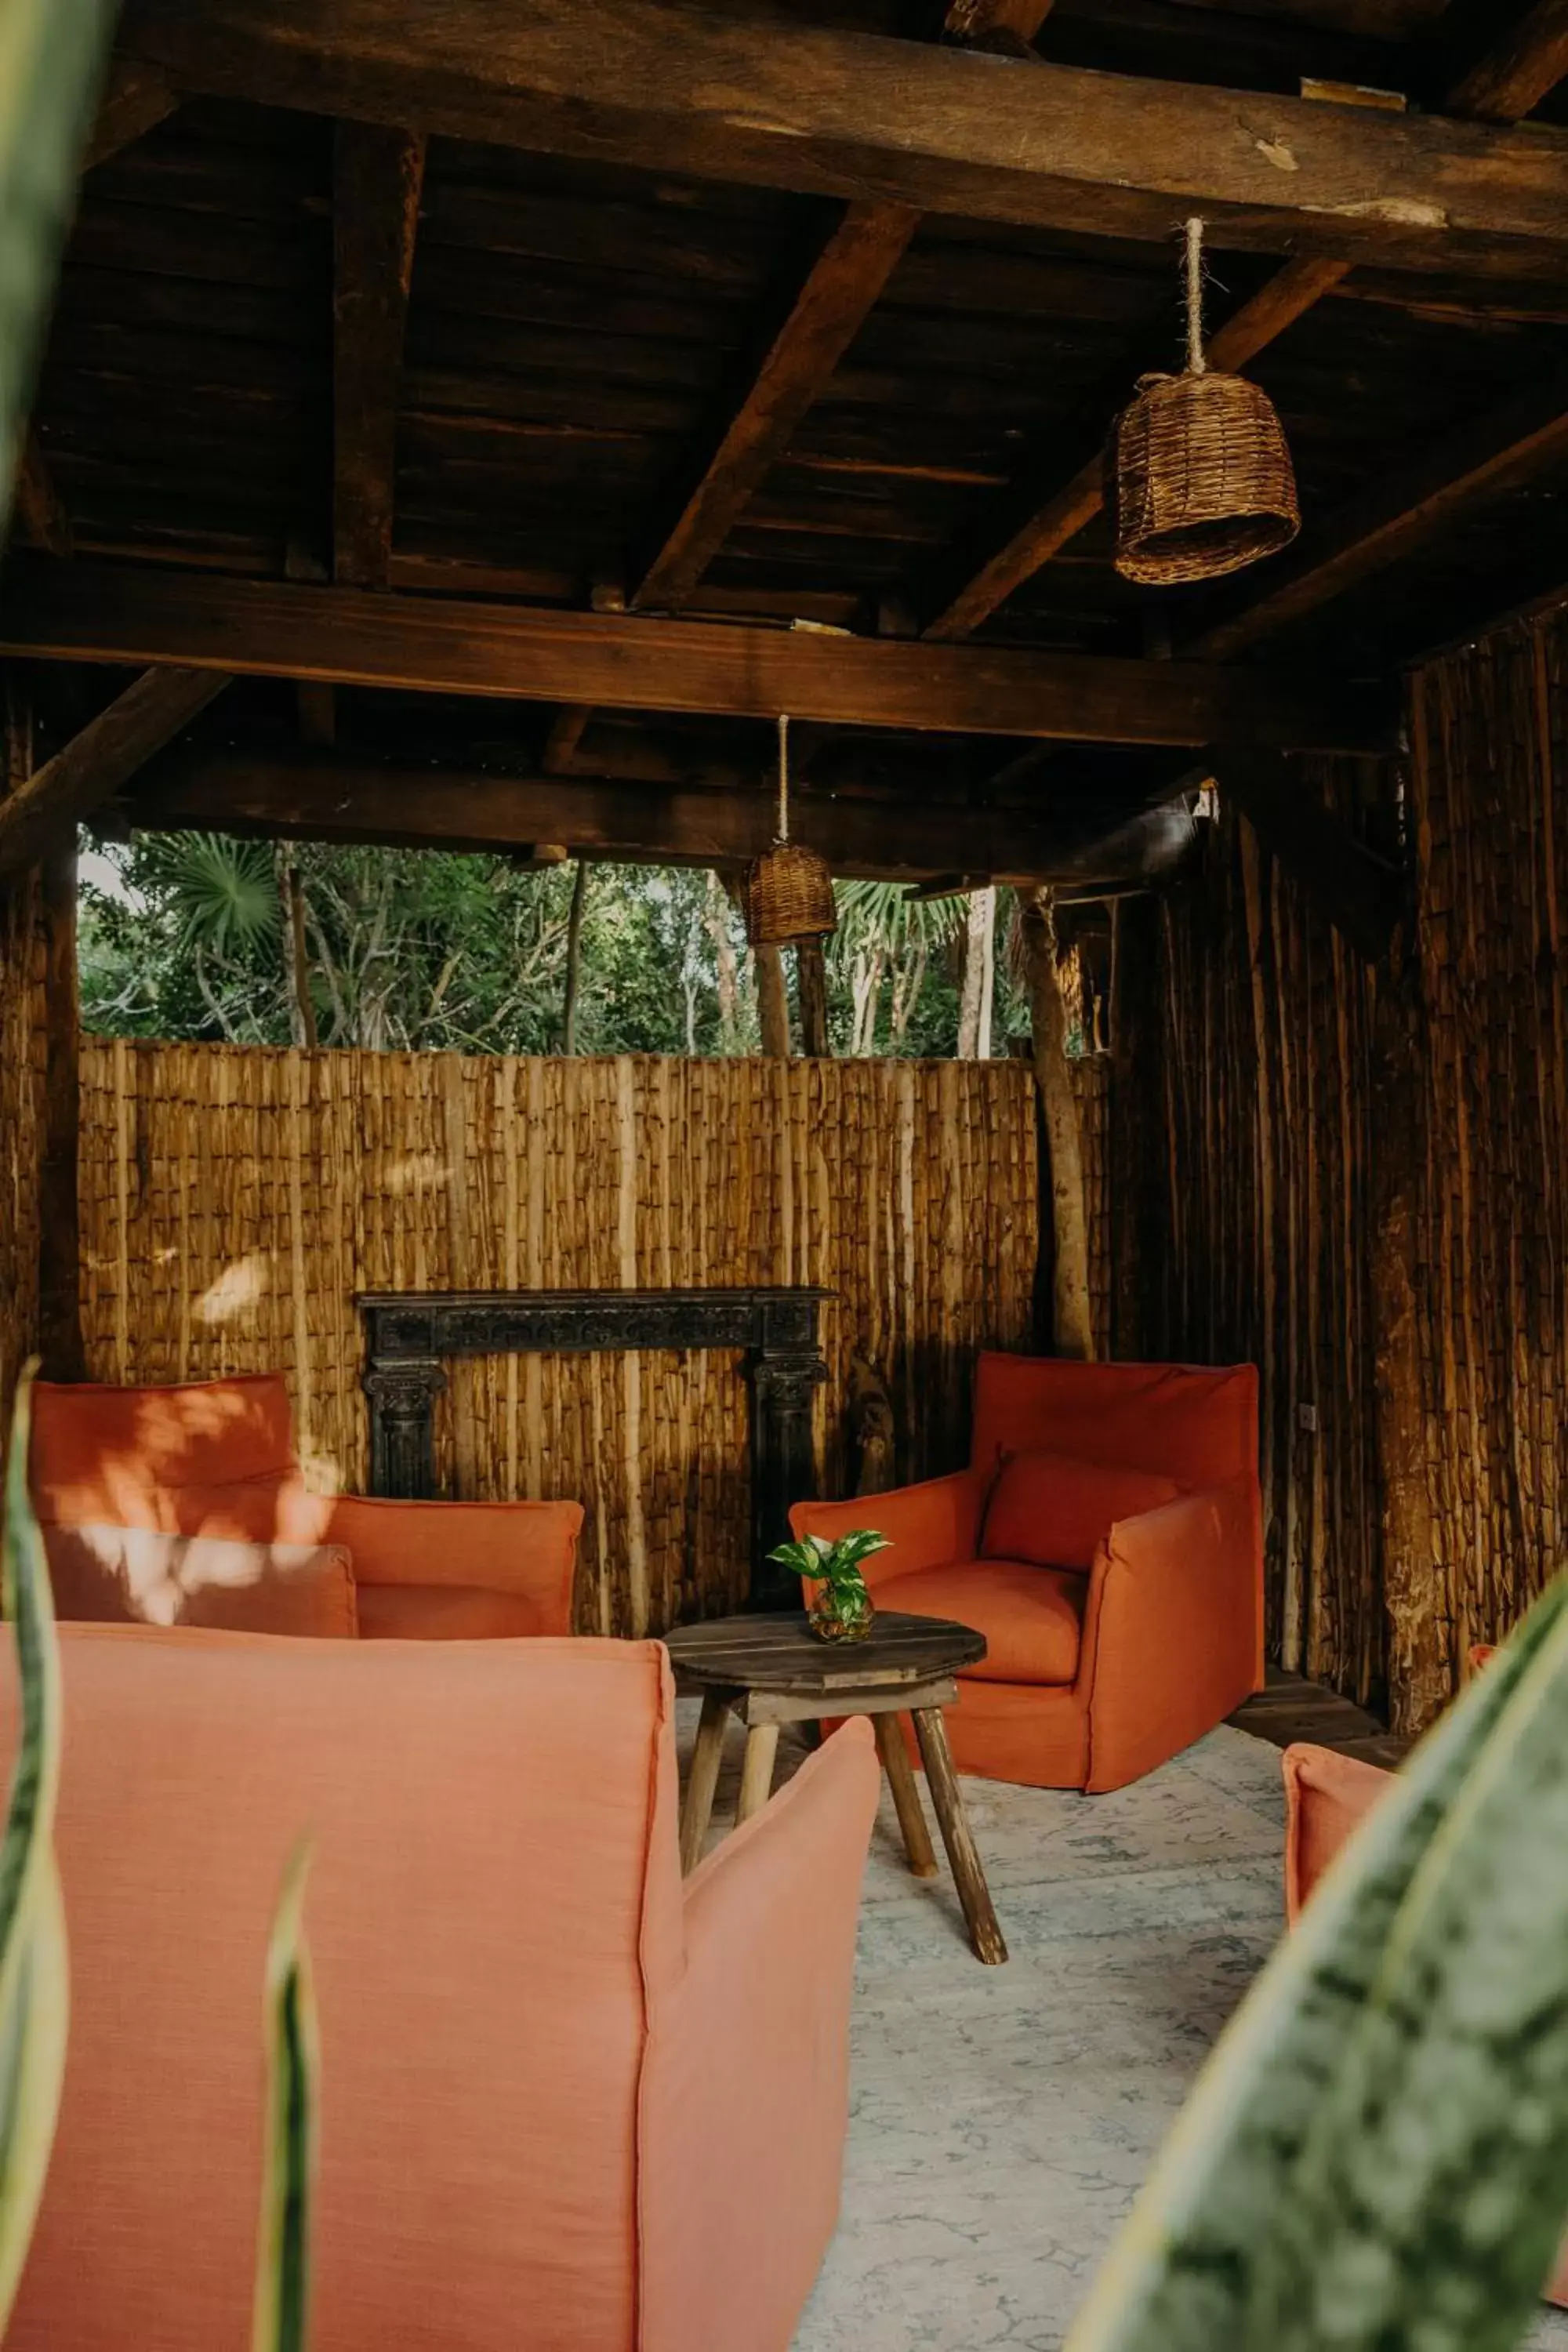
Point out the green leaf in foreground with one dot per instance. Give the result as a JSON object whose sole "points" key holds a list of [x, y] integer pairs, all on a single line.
{"points": [[34, 1965], [280, 2315], [1376, 2159]]}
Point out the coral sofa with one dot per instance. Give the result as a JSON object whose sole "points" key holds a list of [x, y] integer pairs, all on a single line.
{"points": [[566, 2101], [216, 1459], [1102, 1664], [1326, 1798]]}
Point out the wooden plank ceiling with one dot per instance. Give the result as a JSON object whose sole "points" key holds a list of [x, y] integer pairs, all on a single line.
{"points": [[649, 382]]}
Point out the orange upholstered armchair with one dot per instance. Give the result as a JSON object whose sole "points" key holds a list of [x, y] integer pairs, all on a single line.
{"points": [[566, 2100], [216, 1459], [1107, 1540]]}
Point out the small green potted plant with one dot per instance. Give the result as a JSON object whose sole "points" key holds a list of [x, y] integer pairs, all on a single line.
{"points": [[840, 1608]]}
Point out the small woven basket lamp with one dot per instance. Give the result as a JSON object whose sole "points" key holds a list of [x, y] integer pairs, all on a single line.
{"points": [[1201, 481], [788, 890]]}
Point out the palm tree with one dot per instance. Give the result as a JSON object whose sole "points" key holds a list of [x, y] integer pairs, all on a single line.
{"points": [[884, 934]]}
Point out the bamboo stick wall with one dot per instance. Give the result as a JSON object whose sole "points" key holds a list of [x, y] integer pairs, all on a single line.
{"points": [[1366, 1188], [233, 1200], [1490, 808], [1265, 1113]]}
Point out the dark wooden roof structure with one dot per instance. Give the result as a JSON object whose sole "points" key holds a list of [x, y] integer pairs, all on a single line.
{"points": [[522, 402]]}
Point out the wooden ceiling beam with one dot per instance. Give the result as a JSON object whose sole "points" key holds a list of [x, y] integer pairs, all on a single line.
{"points": [[323, 798], [1519, 70], [1398, 516], [97, 762], [828, 312], [118, 613], [377, 176], [1495, 91], [41, 516], [856, 115], [136, 99]]}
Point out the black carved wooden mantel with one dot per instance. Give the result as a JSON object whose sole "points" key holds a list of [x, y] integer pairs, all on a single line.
{"points": [[410, 1334]]}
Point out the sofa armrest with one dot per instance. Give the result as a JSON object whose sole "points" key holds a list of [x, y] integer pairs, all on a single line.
{"points": [[746, 2086], [1172, 1629], [927, 1525]]}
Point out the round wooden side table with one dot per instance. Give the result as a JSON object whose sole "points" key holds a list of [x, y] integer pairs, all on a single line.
{"points": [[773, 1670]]}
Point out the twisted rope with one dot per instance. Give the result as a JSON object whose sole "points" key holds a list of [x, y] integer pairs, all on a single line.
{"points": [[1196, 364], [783, 777]]}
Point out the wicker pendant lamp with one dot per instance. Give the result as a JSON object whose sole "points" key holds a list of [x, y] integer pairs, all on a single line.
{"points": [[788, 890], [1201, 481]]}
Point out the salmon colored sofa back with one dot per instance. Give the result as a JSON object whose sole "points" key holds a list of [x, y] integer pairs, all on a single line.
{"points": [[1194, 1424], [217, 1458], [537, 2049]]}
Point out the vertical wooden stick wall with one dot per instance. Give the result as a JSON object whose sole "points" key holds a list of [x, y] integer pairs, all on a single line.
{"points": [[234, 1201], [1366, 1186]]}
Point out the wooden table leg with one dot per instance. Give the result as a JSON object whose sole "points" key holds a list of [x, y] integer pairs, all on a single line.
{"points": [[968, 1875], [900, 1775], [702, 1778], [757, 1772]]}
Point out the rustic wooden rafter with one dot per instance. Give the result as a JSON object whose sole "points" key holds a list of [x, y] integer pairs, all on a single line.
{"points": [[378, 174], [1519, 69], [566, 732], [41, 514], [843, 283], [856, 115], [136, 99], [326, 797], [108, 750], [1397, 517], [118, 613]]}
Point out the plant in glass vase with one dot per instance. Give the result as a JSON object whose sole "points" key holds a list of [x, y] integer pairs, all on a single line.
{"points": [[840, 1608]]}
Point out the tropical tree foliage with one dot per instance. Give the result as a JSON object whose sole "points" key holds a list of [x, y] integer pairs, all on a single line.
{"points": [[190, 935]]}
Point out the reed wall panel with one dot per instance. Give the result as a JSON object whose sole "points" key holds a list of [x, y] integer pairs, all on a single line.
{"points": [[1265, 1045], [1322, 1121], [234, 1201]]}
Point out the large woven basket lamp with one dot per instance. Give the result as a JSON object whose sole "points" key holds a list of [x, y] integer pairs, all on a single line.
{"points": [[788, 890], [1201, 479]]}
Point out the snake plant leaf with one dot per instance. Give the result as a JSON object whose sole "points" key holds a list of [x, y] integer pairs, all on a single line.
{"points": [[280, 2311], [1376, 2159], [34, 1966], [52, 58]]}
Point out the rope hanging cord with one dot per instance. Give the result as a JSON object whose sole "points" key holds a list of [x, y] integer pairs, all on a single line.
{"points": [[783, 776], [1196, 364]]}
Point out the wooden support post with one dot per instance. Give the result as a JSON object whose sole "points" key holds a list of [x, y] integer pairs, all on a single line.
{"points": [[1137, 1149], [979, 977], [59, 1232], [811, 991], [573, 959], [1072, 1320], [773, 1002]]}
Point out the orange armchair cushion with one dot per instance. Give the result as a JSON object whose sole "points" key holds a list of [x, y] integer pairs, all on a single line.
{"points": [[469, 1570], [1056, 1510], [141, 1576], [118, 1456], [1032, 1617], [1197, 1425]]}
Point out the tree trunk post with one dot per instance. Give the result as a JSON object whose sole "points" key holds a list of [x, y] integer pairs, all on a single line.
{"points": [[1073, 1327], [59, 1227], [296, 953], [979, 977], [811, 990], [773, 1002], [573, 959]]}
